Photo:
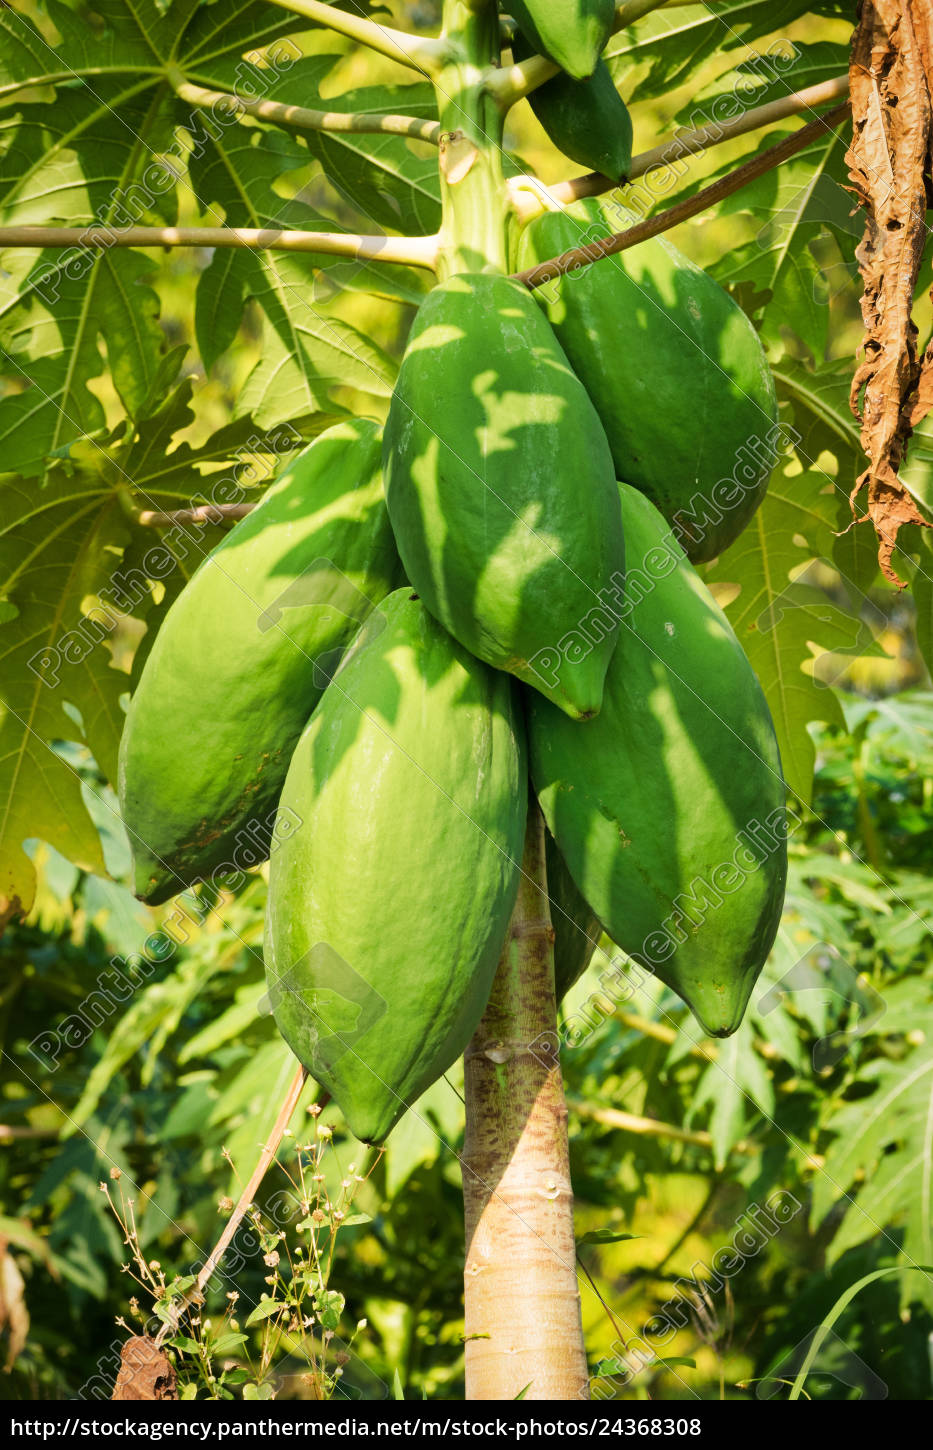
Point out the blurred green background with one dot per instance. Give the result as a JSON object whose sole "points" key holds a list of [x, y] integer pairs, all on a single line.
{"points": [[164, 1098]]}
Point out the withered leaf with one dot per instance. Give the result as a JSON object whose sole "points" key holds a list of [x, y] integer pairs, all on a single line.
{"points": [[891, 70], [14, 1316], [145, 1372]]}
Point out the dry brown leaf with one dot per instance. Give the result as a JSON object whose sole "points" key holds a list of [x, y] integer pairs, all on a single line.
{"points": [[922, 15], [891, 71], [14, 1316], [145, 1372]]}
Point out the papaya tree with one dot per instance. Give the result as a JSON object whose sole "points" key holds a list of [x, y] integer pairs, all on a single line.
{"points": [[462, 674]]}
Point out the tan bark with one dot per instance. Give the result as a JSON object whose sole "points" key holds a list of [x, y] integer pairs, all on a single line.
{"points": [[889, 164], [522, 1301]]}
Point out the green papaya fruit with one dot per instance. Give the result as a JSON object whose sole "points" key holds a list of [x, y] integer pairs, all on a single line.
{"points": [[587, 120], [668, 808], [501, 490], [571, 33], [576, 928], [389, 905], [242, 658], [676, 371]]}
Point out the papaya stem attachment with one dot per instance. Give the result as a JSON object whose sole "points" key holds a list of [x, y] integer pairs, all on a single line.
{"points": [[513, 83], [301, 118], [405, 251], [415, 51], [691, 206], [196, 1292]]}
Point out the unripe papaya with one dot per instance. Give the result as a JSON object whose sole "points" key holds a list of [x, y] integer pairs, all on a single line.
{"points": [[571, 33], [587, 120], [242, 658], [501, 490], [576, 928], [389, 905], [676, 371], [669, 807]]}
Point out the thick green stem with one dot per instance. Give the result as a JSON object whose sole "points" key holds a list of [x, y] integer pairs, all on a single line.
{"points": [[475, 198]]}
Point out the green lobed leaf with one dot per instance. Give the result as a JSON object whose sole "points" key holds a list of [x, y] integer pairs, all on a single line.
{"points": [[307, 352], [802, 201], [673, 42], [881, 1158], [775, 621], [105, 152], [73, 561], [734, 1085], [755, 82], [151, 1017]]}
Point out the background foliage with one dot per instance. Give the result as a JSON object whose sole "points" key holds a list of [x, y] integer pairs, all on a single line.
{"points": [[138, 378]]}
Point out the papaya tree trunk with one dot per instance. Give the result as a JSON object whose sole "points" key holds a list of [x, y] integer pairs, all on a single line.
{"points": [[522, 1303]]}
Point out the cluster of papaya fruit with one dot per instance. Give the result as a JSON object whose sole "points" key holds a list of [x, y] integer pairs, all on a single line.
{"points": [[414, 622]]}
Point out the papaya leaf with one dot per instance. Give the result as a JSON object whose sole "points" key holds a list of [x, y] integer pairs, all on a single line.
{"points": [[73, 562], [306, 351], [78, 161], [754, 83], [735, 1084], [792, 211], [57, 405], [821, 395], [795, 207], [881, 1156], [781, 612], [136, 39], [106, 152], [392, 180], [53, 547], [775, 620], [211, 47], [56, 312], [31, 56], [673, 43]]}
